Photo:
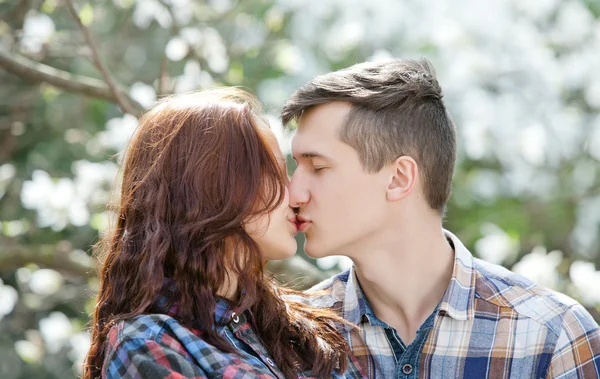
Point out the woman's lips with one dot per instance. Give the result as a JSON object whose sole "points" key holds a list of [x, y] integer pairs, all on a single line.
{"points": [[294, 221]]}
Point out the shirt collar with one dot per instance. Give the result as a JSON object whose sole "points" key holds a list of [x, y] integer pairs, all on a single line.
{"points": [[457, 301], [354, 300]]}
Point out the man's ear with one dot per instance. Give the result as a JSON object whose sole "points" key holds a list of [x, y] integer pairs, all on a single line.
{"points": [[403, 178]]}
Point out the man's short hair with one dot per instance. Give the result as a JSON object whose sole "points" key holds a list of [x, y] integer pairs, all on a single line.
{"points": [[397, 110]]}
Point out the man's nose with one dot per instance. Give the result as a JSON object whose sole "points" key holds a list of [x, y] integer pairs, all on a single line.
{"points": [[299, 192]]}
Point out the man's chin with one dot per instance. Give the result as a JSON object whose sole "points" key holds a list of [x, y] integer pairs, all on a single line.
{"points": [[312, 251]]}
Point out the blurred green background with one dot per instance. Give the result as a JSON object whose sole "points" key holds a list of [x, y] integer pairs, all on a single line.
{"points": [[520, 79]]}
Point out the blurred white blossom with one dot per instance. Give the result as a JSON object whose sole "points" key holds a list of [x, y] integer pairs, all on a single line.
{"points": [[221, 6], [193, 78], [289, 58], [117, 134], [147, 11], [55, 201], [93, 181], [45, 282], [143, 94], [496, 246], [62, 201], [214, 51], [56, 330], [28, 351], [8, 299], [80, 345], [573, 24], [533, 144], [193, 36], [540, 266], [587, 281], [38, 29], [177, 49]]}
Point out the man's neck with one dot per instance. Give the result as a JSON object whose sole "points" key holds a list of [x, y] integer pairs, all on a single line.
{"points": [[405, 275]]}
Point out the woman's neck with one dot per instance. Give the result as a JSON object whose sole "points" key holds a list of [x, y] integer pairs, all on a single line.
{"points": [[229, 289]]}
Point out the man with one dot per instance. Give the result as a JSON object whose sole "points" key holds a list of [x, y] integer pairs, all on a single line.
{"points": [[376, 150]]}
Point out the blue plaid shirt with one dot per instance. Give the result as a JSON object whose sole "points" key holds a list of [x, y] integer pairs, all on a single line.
{"points": [[157, 346], [406, 358], [490, 323]]}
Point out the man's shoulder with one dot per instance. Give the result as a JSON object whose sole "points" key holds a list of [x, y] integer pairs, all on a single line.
{"points": [[504, 288]]}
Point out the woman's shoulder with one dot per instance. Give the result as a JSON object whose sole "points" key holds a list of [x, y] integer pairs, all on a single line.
{"points": [[159, 344], [150, 345], [151, 330], [146, 327]]}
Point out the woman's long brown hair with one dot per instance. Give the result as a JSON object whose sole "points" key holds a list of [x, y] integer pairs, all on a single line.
{"points": [[197, 167]]}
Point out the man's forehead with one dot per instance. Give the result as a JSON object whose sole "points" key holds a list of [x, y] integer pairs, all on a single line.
{"points": [[311, 146], [324, 118], [318, 129]]}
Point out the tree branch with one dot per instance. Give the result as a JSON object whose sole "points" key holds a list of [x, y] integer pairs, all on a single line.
{"points": [[40, 72], [56, 257], [122, 101]]}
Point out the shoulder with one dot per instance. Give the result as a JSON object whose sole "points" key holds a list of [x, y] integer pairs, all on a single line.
{"points": [[577, 348], [552, 309], [147, 332], [152, 345], [145, 327]]}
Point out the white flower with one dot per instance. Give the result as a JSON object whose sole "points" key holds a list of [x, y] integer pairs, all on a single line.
{"points": [[540, 267], [9, 297], [496, 246], [56, 329], [587, 281], [45, 282]]}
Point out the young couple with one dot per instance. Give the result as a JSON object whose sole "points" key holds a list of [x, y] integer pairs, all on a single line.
{"points": [[206, 202]]}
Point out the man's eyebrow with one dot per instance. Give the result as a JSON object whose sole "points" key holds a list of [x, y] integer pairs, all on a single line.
{"points": [[312, 154], [308, 155]]}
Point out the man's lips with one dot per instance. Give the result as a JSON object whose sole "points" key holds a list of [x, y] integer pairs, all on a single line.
{"points": [[303, 224]]}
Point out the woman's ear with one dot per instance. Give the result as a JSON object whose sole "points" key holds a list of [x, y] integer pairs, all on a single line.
{"points": [[403, 178]]}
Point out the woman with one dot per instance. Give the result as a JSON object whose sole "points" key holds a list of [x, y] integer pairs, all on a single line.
{"points": [[204, 205]]}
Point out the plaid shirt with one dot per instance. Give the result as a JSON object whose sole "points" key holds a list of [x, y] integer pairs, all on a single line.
{"points": [[157, 346], [490, 323]]}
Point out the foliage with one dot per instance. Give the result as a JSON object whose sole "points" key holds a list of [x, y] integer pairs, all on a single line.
{"points": [[518, 78]]}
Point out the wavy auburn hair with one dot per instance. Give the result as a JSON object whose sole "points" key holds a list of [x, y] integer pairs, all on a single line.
{"points": [[197, 167]]}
